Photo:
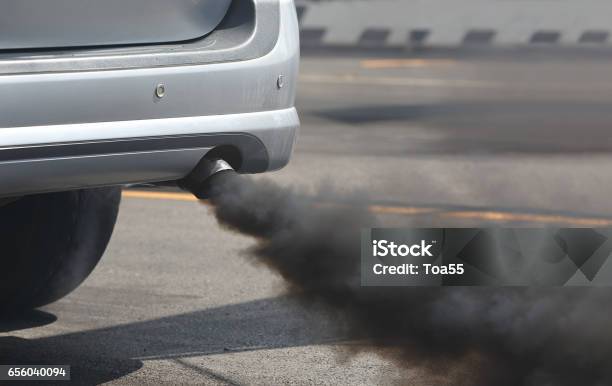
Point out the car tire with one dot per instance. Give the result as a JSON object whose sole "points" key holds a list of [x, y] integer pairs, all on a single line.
{"points": [[50, 243]]}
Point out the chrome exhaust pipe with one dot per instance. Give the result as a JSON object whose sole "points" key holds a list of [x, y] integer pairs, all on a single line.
{"points": [[208, 174]]}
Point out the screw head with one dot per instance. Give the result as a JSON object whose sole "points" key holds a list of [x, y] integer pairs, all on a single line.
{"points": [[280, 82], [160, 90]]}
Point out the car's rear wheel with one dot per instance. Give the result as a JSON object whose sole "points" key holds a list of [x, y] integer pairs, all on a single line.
{"points": [[49, 243]]}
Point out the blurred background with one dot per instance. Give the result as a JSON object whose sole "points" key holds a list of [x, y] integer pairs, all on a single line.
{"points": [[496, 109]]}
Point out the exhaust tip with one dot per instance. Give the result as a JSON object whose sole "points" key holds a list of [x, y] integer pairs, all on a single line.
{"points": [[204, 179]]}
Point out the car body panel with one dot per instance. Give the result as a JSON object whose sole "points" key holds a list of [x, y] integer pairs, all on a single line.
{"points": [[27, 24], [101, 119], [248, 31]]}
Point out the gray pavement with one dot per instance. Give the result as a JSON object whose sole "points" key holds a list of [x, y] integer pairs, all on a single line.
{"points": [[436, 141]]}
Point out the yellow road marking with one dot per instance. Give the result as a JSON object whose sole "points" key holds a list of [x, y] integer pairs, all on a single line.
{"points": [[528, 217], [173, 196], [415, 82], [404, 63], [405, 210], [496, 216], [396, 81]]}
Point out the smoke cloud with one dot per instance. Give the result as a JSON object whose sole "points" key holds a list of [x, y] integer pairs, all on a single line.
{"points": [[456, 335]]}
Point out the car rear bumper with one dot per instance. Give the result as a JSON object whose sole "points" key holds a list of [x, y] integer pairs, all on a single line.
{"points": [[74, 129], [144, 151]]}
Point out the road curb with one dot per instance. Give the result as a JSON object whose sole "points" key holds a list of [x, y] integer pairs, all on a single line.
{"points": [[442, 23]]}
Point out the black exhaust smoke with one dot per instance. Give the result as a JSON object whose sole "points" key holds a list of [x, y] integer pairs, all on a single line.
{"points": [[456, 336]]}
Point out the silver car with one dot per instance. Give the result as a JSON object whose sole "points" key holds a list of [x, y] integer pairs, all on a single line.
{"points": [[98, 94]]}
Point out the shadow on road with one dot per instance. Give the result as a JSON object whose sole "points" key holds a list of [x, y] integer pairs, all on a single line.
{"points": [[25, 319], [102, 355], [475, 127]]}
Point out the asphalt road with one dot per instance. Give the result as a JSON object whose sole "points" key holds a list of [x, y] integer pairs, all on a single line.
{"points": [[430, 141]]}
